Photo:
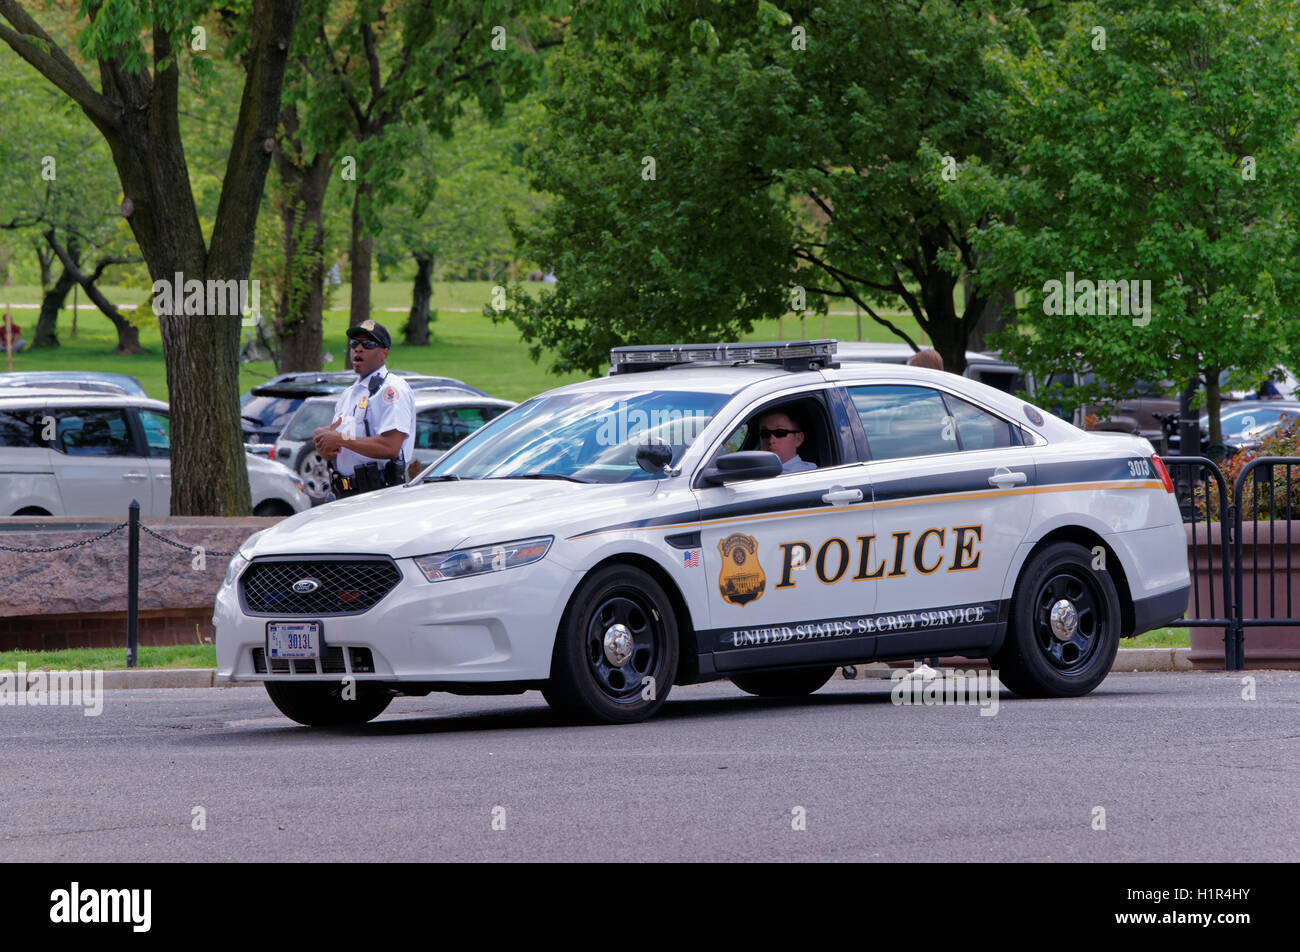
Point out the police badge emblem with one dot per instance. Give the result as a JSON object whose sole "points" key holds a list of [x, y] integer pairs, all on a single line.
{"points": [[741, 580]]}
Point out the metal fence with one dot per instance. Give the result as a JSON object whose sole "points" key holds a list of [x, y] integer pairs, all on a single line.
{"points": [[1259, 495]]}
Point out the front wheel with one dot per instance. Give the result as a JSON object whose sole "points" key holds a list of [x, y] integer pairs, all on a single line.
{"points": [[324, 704], [795, 683], [615, 653], [1064, 626]]}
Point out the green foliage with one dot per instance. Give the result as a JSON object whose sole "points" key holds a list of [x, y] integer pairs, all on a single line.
{"points": [[792, 154], [1136, 165]]}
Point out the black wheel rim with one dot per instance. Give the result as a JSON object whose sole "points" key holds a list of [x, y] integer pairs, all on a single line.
{"points": [[1074, 653], [624, 682]]}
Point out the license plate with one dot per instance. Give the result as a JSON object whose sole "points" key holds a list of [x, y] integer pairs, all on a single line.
{"points": [[293, 639]]}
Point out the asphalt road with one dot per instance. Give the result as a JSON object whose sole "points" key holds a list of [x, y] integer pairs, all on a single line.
{"points": [[1183, 766]]}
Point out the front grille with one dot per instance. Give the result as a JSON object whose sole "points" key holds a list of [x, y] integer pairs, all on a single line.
{"points": [[361, 661], [347, 586]]}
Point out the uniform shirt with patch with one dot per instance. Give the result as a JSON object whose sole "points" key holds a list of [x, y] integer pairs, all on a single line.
{"points": [[392, 407]]}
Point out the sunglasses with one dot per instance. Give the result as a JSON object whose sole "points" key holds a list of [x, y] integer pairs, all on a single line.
{"points": [[367, 344], [780, 434]]}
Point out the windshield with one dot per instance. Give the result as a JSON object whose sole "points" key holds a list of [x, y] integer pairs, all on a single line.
{"points": [[588, 437]]}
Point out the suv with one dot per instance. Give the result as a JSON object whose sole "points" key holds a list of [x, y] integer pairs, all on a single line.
{"points": [[267, 408], [443, 417], [71, 453], [74, 380], [986, 368]]}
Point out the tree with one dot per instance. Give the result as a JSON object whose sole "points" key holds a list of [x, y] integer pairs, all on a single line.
{"points": [[457, 200], [140, 51], [742, 161], [1160, 162], [62, 192]]}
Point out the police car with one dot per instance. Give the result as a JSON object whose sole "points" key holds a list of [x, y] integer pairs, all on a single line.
{"points": [[606, 540]]}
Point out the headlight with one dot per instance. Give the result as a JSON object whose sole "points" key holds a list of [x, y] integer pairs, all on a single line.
{"points": [[460, 563], [237, 563]]}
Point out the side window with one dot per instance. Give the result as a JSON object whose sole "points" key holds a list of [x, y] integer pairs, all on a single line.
{"points": [[978, 430], [21, 428], [431, 431], [798, 431], [157, 433], [94, 431], [904, 421]]}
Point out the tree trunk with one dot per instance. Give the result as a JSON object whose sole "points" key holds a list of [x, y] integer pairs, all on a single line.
{"points": [[46, 333], [128, 336], [417, 324], [299, 314], [1213, 405], [46, 257], [361, 249]]}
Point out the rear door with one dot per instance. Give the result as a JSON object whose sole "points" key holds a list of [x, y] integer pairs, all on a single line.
{"points": [[97, 465], [954, 498], [155, 427]]}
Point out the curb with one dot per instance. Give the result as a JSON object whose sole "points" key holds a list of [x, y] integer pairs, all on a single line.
{"points": [[1128, 659]]}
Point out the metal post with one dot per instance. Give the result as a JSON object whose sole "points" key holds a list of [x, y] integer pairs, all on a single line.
{"points": [[133, 585]]}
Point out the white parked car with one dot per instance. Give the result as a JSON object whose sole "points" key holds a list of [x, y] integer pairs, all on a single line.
{"points": [[609, 539], [70, 453]]}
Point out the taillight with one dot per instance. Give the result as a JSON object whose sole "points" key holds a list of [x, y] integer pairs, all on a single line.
{"points": [[1164, 473]]}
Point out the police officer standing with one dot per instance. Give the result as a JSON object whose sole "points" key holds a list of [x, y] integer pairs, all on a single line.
{"points": [[373, 433]]}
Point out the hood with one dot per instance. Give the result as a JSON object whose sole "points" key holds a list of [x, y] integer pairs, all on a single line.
{"points": [[407, 521]]}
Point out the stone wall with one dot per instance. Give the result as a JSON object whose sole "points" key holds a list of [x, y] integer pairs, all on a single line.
{"points": [[77, 597]]}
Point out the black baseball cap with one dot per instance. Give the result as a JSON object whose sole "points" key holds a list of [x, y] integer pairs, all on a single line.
{"points": [[373, 330]]}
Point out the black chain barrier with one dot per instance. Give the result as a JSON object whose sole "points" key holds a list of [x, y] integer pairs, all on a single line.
{"points": [[69, 545]]}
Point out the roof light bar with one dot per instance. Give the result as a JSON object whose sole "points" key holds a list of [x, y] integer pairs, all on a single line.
{"points": [[791, 355]]}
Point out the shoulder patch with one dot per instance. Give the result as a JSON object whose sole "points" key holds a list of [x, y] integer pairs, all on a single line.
{"points": [[390, 394]]}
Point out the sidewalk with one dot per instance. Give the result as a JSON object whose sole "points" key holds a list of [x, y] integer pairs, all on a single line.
{"points": [[1128, 659]]}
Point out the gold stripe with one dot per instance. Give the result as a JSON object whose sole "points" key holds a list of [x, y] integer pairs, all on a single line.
{"points": [[889, 504]]}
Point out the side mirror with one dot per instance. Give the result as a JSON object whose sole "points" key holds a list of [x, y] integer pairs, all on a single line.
{"points": [[747, 464], [654, 457]]}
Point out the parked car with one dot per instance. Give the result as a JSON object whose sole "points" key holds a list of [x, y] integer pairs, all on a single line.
{"points": [[607, 540], [74, 379], [988, 369], [443, 417], [1249, 423], [267, 408], [71, 453]]}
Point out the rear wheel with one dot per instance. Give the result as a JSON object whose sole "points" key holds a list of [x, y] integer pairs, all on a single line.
{"points": [[315, 474], [616, 650], [322, 703], [795, 683], [1064, 627]]}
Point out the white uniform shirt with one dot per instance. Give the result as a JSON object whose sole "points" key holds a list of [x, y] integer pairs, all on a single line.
{"points": [[391, 408], [797, 465]]}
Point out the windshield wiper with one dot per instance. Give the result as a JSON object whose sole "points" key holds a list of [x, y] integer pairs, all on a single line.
{"points": [[444, 478], [572, 479]]}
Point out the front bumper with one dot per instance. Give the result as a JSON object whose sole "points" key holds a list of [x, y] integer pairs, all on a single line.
{"points": [[489, 628]]}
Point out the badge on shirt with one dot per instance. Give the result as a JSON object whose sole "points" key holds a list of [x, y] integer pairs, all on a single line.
{"points": [[390, 395], [365, 401]]}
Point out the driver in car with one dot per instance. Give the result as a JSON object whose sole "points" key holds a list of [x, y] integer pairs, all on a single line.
{"points": [[779, 433]]}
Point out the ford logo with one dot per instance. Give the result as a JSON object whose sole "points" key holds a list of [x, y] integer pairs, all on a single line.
{"points": [[305, 586]]}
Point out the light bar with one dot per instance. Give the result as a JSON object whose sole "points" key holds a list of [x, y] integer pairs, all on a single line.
{"points": [[792, 355]]}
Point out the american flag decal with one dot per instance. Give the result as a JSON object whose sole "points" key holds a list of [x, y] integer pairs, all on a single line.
{"points": [[691, 559]]}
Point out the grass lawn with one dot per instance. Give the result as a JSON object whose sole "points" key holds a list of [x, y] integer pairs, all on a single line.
{"points": [[465, 345], [1160, 638], [109, 659]]}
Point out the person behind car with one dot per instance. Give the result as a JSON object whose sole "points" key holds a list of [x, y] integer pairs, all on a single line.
{"points": [[929, 358], [373, 435], [11, 336], [779, 433]]}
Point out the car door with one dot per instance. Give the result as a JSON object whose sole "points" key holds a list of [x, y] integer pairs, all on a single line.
{"points": [[155, 429], [781, 554], [97, 465], [953, 487]]}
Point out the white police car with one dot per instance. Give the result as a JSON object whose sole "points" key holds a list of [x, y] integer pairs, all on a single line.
{"points": [[561, 547]]}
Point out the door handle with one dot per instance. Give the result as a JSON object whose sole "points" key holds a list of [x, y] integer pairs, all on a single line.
{"points": [[1003, 477], [135, 476], [838, 496], [163, 476]]}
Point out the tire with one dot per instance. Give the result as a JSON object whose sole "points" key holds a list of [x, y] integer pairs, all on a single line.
{"points": [[314, 473], [797, 683], [1069, 661], [321, 703], [587, 684]]}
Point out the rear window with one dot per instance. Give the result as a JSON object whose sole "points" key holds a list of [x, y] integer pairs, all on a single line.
{"points": [[307, 419], [270, 411]]}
